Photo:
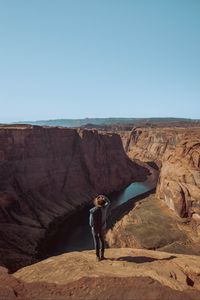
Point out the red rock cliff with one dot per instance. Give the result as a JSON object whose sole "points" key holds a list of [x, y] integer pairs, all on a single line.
{"points": [[177, 152], [150, 144], [47, 173], [179, 184]]}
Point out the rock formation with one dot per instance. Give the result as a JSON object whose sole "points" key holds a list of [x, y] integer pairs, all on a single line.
{"points": [[46, 174], [126, 274], [179, 184], [148, 223], [150, 144], [177, 152]]}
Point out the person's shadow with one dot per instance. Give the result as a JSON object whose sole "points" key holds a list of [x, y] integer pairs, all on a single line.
{"points": [[140, 259]]}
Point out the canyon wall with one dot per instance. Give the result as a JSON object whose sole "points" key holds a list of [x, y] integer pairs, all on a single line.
{"points": [[150, 144], [47, 173], [177, 152], [179, 184]]}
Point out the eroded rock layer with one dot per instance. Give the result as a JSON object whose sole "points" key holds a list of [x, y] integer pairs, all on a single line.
{"points": [[47, 173], [177, 152], [179, 184], [150, 144]]}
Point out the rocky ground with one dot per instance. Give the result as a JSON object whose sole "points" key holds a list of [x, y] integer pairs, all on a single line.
{"points": [[152, 225], [126, 274]]}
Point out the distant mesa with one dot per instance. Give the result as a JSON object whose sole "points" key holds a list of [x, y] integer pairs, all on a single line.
{"points": [[111, 121]]}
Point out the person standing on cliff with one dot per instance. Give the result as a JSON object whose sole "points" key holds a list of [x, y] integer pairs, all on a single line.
{"points": [[97, 221]]}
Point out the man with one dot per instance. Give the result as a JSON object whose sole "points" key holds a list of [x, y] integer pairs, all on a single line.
{"points": [[97, 221]]}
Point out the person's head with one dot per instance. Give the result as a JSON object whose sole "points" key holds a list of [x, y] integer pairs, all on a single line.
{"points": [[100, 201]]}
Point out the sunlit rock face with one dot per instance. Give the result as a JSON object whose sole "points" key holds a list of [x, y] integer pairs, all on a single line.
{"points": [[126, 274], [47, 173], [150, 144], [176, 151], [179, 184]]}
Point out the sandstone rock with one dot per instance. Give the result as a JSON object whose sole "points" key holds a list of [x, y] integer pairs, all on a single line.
{"points": [[152, 225], [77, 274], [177, 152], [179, 184], [150, 144], [7, 285]]}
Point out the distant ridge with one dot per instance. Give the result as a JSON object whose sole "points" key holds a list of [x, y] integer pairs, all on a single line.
{"points": [[103, 121]]}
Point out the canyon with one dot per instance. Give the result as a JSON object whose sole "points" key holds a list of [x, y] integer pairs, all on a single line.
{"points": [[47, 174]]}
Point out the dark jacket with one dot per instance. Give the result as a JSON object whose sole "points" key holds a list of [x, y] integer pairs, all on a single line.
{"points": [[97, 218]]}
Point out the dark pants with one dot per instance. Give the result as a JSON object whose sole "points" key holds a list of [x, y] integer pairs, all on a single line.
{"points": [[98, 237]]}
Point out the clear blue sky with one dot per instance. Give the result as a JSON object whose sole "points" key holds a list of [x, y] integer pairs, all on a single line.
{"points": [[99, 58]]}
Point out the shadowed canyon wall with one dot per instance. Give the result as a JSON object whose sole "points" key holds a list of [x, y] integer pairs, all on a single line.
{"points": [[47, 173]]}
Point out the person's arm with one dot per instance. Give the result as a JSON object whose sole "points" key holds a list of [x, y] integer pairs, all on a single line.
{"points": [[107, 202], [91, 220]]}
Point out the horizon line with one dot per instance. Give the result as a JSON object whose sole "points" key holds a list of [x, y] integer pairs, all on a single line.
{"points": [[99, 118]]}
